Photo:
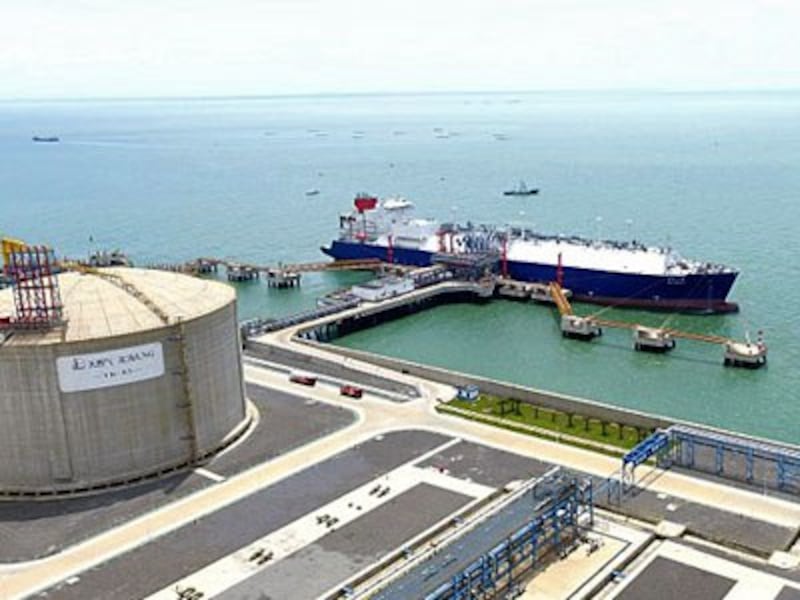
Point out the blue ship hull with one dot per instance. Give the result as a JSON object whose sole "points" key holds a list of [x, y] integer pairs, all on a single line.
{"points": [[695, 293]]}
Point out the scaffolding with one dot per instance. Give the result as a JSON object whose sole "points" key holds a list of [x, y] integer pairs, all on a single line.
{"points": [[37, 297]]}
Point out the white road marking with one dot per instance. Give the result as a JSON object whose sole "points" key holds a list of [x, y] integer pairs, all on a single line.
{"points": [[234, 568], [215, 477]]}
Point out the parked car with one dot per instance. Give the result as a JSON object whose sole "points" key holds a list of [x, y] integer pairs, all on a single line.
{"points": [[302, 378], [351, 391]]}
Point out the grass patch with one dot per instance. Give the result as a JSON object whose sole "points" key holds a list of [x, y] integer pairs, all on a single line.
{"points": [[579, 426]]}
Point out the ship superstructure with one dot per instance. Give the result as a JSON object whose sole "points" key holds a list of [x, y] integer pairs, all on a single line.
{"points": [[601, 271]]}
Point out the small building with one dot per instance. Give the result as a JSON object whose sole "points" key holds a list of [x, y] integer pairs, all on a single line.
{"points": [[383, 289], [468, 393]]}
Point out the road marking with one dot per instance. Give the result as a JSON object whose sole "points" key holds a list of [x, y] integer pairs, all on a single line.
{"points": [[248, 560], [209, 475]]}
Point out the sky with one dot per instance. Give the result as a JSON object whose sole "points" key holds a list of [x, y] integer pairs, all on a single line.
{"points": [[147, 48]]}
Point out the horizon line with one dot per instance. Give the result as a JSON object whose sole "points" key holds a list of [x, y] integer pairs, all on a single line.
{"points": [[343, 94]]}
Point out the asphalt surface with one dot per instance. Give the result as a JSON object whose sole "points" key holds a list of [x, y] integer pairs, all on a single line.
{"points": [[302, 362], [665, 579], [788, 593], [486, 465], [348, 550], [156, 564], [493, 467], [34, 529], [722, 526]]}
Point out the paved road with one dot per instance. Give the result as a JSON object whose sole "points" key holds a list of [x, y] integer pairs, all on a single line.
{"points": [[348, 550], [156, 564], [297, 360]]}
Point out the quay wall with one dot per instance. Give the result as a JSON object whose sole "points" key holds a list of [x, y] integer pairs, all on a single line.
{"points": [[540, 398], [316, 333]]}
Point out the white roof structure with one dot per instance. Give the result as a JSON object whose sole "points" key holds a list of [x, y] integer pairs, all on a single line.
{"points": [[97, 308]]}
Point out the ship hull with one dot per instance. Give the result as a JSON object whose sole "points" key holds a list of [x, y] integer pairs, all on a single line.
{"points": [[705, 293]]}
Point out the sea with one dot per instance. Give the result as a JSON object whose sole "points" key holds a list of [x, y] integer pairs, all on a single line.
{"points": [[714, 175]]}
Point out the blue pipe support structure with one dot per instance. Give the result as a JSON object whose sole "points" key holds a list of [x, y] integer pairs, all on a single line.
{"points": [[783, 461], [486, 572], [656, 444]]}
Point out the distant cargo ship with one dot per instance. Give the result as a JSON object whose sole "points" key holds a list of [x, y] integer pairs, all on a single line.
{"points": [[50, 139], [522, 190], [599, 271]]}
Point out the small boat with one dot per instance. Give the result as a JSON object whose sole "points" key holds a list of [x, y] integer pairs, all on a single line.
{"points": [[113, 258], [312, 192], [48, 139], [522, 190]]}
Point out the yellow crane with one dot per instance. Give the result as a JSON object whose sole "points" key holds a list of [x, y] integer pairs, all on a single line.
{"points": [[9, 246]]}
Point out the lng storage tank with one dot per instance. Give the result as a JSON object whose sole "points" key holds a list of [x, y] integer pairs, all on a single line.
{"points": [[142, 377]]}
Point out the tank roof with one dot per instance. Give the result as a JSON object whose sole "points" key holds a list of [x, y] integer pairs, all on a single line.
{"points": [[96, 308]]}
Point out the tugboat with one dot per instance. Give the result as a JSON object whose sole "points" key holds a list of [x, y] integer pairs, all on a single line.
{"points": [[522, 190], [48, 139], [312, 192]]}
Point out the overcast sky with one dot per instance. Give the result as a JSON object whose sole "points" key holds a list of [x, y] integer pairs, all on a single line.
{"points": [[121, 48]]}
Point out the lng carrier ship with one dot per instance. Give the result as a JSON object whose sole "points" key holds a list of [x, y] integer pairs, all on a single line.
{"points": [[599, 271]]}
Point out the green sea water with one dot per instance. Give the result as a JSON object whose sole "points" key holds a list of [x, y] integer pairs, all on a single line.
{"points": [[714, 175]]}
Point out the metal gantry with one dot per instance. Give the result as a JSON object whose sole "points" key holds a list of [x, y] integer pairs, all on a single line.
{"points": [[723, 455], [556, 522], [782, 462], [657, 444]]}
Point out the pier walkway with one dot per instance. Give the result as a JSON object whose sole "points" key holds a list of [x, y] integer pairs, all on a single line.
{"points": [[207, 264]]}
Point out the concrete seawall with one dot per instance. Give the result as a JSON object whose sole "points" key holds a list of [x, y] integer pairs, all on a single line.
{"points": [[287, 346], [543, 399]]}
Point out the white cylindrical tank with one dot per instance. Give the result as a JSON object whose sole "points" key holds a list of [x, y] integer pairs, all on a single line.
{"points": [[145, 377]]}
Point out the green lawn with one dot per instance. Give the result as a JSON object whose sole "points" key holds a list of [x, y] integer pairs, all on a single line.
{"points": [[592, 430]]}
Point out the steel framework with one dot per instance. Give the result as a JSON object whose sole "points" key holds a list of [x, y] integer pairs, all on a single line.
{"points": [[678, 445], [657, 444], [556, 521], [779, 460], [37, 298]]}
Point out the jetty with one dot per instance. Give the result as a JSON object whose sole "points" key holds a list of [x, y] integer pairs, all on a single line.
{"points": [[477, 275], [276, 276], [656, 339]]}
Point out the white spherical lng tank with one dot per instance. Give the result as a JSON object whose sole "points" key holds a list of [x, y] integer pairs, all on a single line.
{"points": [[145, 377]]}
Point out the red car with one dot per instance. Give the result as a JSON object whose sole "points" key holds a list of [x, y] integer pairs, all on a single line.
{"points": [[351, 391], [302, 379]]}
